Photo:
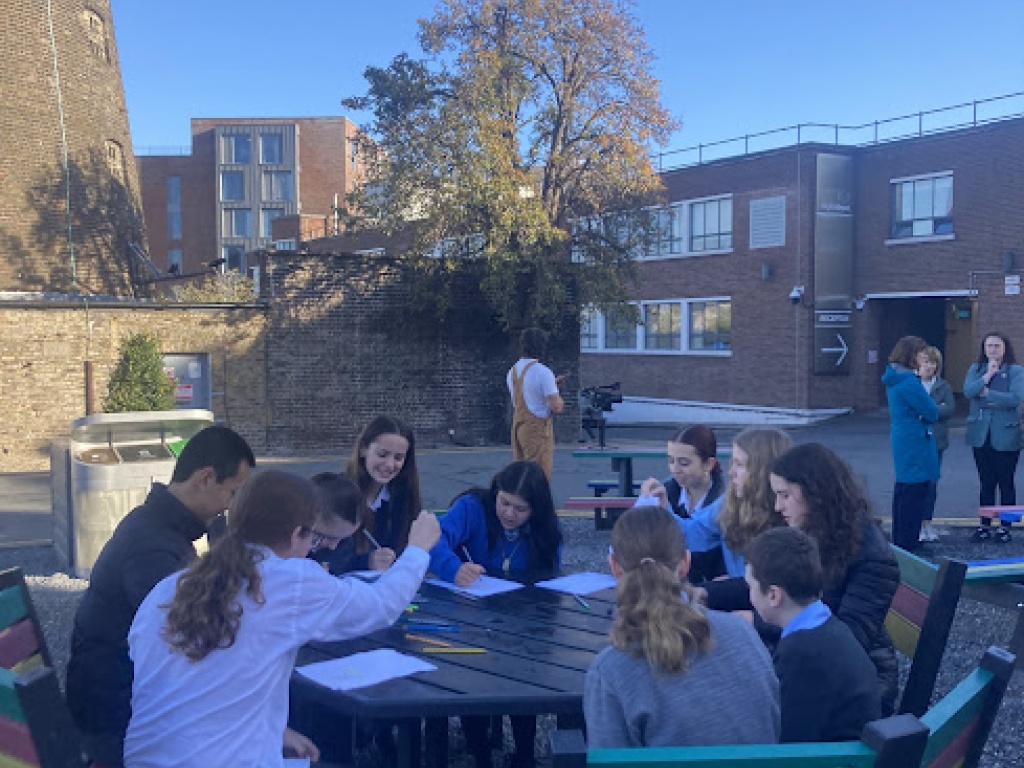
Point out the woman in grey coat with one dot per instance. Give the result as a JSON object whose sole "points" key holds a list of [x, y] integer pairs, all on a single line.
{"points": [[929, 368], [995, 387]]}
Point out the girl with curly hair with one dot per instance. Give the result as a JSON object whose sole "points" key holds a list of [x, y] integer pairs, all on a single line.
{"points": [[213, 647], [816, 492], [668, 653]]}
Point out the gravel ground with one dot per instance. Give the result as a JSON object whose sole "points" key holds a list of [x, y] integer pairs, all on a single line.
{"points": [[976, 627]]}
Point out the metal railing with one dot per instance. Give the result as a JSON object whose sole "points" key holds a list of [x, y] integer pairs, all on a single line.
{"points": [[967, 115], [157, 149]]}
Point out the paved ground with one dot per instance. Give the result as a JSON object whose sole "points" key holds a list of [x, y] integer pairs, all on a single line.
{"points": [[445, 472]]}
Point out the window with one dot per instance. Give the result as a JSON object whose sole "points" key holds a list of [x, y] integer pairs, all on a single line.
{"points": [[96, 34], [711, 225], [674, 326], [237, 222], [115, 160], [174, 207], [666, 238], [271, 148], [768, 222], [710, 325], [619, 330], [232, 186], [922, 207], [234, 258], [661, 326], [277, 185], [267, 217], [174, 261], [236, 149]]}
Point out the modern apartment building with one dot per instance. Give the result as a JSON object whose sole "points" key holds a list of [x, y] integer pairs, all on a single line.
{"points": [[216, 203]]}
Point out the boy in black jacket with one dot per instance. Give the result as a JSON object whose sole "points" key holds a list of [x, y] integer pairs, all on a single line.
{"points": [[828, 684]]}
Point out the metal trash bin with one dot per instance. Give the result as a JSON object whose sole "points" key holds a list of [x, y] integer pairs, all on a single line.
{"points": [[114, 459]]}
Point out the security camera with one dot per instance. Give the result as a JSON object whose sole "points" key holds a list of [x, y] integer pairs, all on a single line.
{"points": [[796, 294]]}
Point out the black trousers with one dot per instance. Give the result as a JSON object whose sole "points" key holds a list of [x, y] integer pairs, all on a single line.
{"points": [[996, 470], [909, 501]]}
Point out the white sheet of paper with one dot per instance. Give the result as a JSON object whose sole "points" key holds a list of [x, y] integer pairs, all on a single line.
{"points": [[485, 586], [580, 583], [364, 669], [296, 762]]}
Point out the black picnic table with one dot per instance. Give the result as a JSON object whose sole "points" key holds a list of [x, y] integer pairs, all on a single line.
{"points": [[539, 644]]}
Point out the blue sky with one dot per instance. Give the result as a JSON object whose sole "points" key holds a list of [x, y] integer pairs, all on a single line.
{"points": [[727, 67]]}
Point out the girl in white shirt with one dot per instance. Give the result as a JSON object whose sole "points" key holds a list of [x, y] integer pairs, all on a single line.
{"points": [[214, 646]]}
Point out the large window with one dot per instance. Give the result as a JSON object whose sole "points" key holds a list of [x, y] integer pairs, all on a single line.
{"points": [[232, 186], [236, 149], [922, 206], [174, 207], [271, 148], [237, 222], [675, 326], [710, 325], [234, 258], [277, 185], [267, 217], [711, 225], [666, 239]]}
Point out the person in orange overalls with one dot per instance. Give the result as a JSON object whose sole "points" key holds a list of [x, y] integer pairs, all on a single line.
{"points": [[535, 398]]}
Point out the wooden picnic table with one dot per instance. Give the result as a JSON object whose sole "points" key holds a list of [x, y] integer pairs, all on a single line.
{"points": [[539, 644], [622, 461]]}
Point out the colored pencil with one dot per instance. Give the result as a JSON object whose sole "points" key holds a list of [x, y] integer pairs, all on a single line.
{"points": [[581, 601], [372, 540], [428, 640], [417, 626], [454, 650]]}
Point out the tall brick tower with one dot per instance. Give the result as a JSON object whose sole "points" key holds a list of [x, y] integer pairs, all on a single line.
{"points": [[69, 202]]}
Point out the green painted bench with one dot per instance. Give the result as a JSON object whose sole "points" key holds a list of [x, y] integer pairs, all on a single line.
{"points": [[35, 725], [955, 730]]}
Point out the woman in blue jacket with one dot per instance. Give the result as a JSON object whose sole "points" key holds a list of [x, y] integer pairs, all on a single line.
{"points": [[507, 528], [915, 457], [995, 387]]}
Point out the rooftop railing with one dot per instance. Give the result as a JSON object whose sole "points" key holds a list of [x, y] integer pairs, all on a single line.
{"points": [[967, 115]]}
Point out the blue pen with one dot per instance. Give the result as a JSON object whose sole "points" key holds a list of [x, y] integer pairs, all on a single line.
{"points": [[582, 602], [431, 627]]}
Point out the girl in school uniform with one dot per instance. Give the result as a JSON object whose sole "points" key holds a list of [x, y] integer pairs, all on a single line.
{"points": [[341, 512], [670, 656], [213, 647], [510, 527], [383, 466]]}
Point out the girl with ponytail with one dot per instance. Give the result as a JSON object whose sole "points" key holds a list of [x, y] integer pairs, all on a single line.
{"points": [[220, 638], [675, 674]]}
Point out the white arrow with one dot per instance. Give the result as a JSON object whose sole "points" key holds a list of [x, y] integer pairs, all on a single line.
{"points": [[842, 349]]}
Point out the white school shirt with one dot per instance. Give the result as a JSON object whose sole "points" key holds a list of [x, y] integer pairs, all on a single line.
{"points": [[538, 383], [231, 708]]}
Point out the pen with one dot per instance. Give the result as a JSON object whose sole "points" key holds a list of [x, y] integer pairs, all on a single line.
{"points": [[373, 541], [581, 601], [428, 640], [419, 627], [454, 650], [469, 557]]}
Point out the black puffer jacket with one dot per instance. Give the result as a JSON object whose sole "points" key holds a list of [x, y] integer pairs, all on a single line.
{"points": [[861, 600]]}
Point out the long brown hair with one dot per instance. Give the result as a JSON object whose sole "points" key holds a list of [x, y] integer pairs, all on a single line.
{"points": [[654, 622], [405, 485], [745, 517], [205, 613]]}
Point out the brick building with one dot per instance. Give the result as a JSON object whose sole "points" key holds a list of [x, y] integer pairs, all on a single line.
{"points": [[783, 278], [68, 186], [218, 201]]}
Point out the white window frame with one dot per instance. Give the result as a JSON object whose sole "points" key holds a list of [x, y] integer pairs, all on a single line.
{"points": [[684, 331], [229, 222], [930, 238]]}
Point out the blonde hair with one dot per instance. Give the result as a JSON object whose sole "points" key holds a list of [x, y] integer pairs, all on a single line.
{"points": [[654, 622], [936, 357], [742, 519]]}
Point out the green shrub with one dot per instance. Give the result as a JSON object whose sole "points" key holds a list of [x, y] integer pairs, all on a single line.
{"points": [[139, 382]]}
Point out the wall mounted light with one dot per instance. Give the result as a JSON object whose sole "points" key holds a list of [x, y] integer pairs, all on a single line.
{"points": [[796, 295], [860, 303]]}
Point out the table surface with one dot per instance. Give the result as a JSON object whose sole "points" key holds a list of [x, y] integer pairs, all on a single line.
{"points": [[539, 644]]}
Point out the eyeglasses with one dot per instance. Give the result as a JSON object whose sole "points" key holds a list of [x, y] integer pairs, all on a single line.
{"points": [[319, 539]]}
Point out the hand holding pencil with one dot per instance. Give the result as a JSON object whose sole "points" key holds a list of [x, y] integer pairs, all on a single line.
{"points": [[469, 571]]}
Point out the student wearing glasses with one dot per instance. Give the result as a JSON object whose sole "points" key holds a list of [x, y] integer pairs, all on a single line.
{"points": [[507, 528], [339, 518]]}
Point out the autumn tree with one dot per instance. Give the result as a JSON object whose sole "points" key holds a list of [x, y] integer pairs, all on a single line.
{"points": [[521, 139]]}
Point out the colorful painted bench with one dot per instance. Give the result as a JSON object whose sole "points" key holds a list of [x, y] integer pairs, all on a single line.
{"points": [[35, 725]]}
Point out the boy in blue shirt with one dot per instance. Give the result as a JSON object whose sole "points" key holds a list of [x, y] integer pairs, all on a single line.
{"points": [[829, 687]]}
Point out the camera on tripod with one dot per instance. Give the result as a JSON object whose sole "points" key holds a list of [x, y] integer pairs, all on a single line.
{"points": [[599, 400]]}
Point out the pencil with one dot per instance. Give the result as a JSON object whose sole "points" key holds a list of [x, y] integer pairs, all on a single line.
{"points": [[428, 640], [469, 557], [373, 541], [581, 601], [454, 650]]}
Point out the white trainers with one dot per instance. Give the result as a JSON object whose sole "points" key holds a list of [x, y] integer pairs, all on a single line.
{"points": [[928, 533]]}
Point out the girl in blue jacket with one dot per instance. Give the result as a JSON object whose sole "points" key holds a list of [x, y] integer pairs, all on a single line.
{"points": [[915, 457], [507, 528]]}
